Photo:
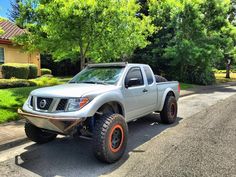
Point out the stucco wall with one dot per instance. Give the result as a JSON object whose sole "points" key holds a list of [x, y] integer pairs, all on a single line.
{"points": [[14, 54]]}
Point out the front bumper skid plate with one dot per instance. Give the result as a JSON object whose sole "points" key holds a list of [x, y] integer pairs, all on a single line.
{"points": [[62, 125]]}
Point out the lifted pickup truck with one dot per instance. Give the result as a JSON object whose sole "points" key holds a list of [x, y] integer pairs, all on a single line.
{"points": [[98, 102]]}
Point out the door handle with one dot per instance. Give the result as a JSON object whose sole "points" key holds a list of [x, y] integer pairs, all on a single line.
{"points": [[145, 90]]}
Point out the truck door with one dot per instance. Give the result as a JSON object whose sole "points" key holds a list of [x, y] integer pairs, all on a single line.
{"points": [[135, 93], [151, 90]]}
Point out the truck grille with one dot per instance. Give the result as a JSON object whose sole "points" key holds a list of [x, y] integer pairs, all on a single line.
{"points": [[44, 103], [62, 105]]}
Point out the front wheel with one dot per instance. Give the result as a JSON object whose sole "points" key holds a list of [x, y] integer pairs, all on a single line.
{"points": [[169, 111], [110, 138], [38, 135]]}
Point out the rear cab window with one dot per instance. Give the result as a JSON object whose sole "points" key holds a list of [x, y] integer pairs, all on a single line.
{"points": [[149, 75]]}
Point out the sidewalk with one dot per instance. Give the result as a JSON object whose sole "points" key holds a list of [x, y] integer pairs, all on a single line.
{"points": [[12, 133]]}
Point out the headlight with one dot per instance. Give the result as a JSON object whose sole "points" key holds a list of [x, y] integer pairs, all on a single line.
{"points": [[30, 101], [76, 103]]}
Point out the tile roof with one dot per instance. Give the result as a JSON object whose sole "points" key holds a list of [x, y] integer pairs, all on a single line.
{"points": [[10, 30]]}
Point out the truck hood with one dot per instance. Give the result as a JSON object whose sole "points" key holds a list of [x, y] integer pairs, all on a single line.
{"points": [[72, 90]]}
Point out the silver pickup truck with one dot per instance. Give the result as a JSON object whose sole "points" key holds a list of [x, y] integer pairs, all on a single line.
{"points": [[98, 102]]}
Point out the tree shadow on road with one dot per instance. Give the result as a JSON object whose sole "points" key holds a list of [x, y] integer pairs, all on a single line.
{"points": [[74, 157]]}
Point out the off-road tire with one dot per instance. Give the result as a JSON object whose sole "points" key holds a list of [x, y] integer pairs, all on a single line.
{"points": [[169, 111], [38, 135], [110, 138]]}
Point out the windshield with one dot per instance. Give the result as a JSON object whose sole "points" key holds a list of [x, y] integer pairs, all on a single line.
{"points": [[98, 75]]}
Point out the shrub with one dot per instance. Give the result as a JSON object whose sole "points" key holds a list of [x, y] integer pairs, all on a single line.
{"points": [[201, 76], [47, 75], [33, 71], [45, 81], [215, 70], [11, 83], [45, 71], [16, 70]]}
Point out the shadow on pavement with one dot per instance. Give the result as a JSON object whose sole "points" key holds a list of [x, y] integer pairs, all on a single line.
{"points": [[74, 157]]}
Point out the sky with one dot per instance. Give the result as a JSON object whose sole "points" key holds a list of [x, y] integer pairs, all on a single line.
{"points": [[4, 6]]}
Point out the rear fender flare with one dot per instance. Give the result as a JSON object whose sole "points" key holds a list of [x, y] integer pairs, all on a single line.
{"points": [[166, 92]]}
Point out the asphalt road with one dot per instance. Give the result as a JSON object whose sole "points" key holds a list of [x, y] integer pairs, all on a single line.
{"points": [[201, 143]]}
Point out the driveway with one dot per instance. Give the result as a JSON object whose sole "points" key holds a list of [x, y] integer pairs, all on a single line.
{"points": [[201, 143]]}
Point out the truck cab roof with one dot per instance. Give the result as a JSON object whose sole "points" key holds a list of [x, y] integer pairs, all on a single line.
{"points": [[115, 64]]}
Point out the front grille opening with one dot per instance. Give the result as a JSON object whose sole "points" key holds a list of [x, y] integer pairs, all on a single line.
{"points": [[62, 105], [44, 103]]}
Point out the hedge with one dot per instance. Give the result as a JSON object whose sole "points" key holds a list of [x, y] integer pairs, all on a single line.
{"points": [[20, 71], [33, 71], [45, 71], [16, 70], [41, 81], [11, 83], [46, 81]]}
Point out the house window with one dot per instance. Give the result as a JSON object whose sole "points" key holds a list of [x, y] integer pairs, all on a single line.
{"points": [[1, 55]]}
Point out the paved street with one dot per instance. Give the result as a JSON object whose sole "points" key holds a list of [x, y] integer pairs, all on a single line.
{"points": [[201, 143]]}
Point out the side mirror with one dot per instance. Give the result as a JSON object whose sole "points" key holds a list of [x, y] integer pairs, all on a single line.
{"points": [[132, 82]]}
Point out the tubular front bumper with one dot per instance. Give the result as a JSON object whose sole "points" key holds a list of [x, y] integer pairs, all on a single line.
{"points": [[63, 125]]}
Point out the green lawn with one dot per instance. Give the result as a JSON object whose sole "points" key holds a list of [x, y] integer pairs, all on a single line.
{"points": [[185, 86], [220, 77], [12, 99]]}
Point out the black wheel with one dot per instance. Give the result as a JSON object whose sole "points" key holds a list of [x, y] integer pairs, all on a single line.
{"points": [[169, 111], [38, 135], [110, 138]]}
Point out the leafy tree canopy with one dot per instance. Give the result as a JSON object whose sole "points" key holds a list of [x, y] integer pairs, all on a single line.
{"points": [[14, 11], [194, 35], [98, 30], [1, 30]]}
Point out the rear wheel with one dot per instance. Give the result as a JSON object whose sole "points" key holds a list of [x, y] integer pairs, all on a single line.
{"points": [[169, 112], [38, 135], [110, 138]]}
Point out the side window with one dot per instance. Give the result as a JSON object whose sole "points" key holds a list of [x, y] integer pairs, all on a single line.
{"points": [[1, 55], [134, 73], [148, 73]]}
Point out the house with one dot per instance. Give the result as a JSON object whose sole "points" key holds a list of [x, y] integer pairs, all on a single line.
{"points": [[12, 53]]}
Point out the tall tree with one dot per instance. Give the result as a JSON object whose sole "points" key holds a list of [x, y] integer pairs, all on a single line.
{"points": [[230, 33], [193, 35], [84, 29], [14, 11]]}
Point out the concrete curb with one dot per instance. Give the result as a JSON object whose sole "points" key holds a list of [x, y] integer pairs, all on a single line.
{"points": [[13, 143]]}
